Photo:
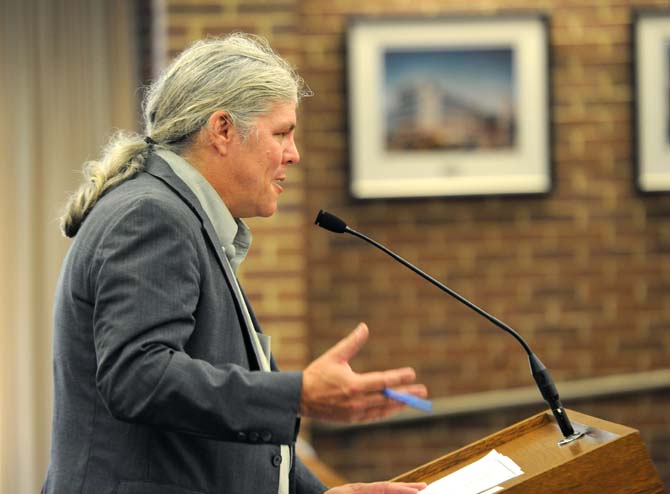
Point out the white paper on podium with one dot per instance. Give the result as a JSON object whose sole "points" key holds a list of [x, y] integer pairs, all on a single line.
{"points": [[481, 477]]}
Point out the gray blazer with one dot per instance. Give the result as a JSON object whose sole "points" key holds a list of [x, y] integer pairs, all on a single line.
{"points": [[157, 386]]}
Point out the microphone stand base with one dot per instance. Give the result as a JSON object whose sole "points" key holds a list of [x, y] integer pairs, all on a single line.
{"points": [[572, 437]]}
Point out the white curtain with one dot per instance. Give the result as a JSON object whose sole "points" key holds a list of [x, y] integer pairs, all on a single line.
{"points": [[67, 77]]}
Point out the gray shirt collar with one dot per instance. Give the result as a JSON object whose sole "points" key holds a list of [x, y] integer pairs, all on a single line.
{"points": [[233, 233]]}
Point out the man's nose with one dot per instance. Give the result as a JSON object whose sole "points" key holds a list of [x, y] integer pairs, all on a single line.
{"points": [[292, 155]]}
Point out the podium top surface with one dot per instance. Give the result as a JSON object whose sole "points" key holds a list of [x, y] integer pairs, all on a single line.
{"points": [[609, 456]]}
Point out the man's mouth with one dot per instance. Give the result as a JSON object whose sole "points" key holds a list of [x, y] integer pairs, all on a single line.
{"points": [[277, 183]]}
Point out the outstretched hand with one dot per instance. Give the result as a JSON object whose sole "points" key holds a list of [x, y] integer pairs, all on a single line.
{"points": [[331, 390], [378, 488]]}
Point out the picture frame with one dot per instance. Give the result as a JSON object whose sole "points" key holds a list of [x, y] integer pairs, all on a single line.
{"points": [[449, 106], [651, 53]]}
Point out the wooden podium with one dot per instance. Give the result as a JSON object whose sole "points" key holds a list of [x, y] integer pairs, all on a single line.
{"points": [[608, 459]]}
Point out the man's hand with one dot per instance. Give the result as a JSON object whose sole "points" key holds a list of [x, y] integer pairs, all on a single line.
{"points": [[331, 390], [378, 488]]}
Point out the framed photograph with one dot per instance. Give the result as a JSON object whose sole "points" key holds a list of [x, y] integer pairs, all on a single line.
{"points": [[449, 106], [651, 40]]}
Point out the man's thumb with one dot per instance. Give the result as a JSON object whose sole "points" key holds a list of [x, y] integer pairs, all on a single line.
{"points": [[348, 347]]}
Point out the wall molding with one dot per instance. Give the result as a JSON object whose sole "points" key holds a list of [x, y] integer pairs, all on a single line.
{"points": [[486, 401]]}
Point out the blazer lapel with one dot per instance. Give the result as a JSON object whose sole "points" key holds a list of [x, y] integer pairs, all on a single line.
{"points": [[157, 167]]}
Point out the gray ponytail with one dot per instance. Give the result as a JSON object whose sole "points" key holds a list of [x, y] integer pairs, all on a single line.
{"points": [[238, 73], [122, 158]]}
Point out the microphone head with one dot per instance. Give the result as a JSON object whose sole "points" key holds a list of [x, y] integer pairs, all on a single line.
{"points": [[330, 222]]}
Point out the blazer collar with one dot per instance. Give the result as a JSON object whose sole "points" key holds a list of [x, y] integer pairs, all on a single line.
{"points": [[157, 167]]}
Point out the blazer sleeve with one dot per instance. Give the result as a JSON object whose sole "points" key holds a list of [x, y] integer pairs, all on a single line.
{"points": [[306, 481], [145, 280]]}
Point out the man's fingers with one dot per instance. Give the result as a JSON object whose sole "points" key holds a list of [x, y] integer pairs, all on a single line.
{"points": [[418, 390], [403, 487], [345, 349], [377, 399], [379, 488], [376, 381]]}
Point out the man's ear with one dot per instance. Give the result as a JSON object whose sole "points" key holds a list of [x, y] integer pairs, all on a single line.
{"points": [[221, 131]]}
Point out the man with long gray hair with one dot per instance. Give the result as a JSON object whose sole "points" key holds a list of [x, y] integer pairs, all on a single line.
{"points": [[164, 382]]}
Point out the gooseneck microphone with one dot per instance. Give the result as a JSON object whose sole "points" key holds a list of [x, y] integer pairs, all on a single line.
{"points": [[540, 373]]}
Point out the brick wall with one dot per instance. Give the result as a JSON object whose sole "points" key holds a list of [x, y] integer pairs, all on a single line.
{"points": [[583, 273]]}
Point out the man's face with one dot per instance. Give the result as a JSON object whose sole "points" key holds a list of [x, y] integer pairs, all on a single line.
{"points": [[258, 163]]}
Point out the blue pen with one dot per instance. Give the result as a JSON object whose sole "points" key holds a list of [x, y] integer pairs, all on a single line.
{"points": [[411, 400]]}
